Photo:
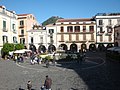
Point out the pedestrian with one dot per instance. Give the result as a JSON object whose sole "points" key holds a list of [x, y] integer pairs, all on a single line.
{"points": [[47, 63], [54, 59], [29, 85], [48, 83]]}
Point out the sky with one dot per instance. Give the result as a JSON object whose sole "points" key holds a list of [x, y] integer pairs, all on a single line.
{"points": [[44, 9]]}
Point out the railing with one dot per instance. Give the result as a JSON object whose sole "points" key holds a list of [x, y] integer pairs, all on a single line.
{"points": [[14, 31]]}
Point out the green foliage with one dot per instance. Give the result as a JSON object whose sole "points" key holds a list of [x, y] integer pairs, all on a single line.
{"points": [[48, 58], [7, 47], [51, 20], [19, 46]]}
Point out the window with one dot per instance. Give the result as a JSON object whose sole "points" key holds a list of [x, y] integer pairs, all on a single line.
{"points": [[51, 30], [4, 25], [5, 39], [109, 22], [21, 23], [22, 32], [69, 29], [92, 36], [84, 28], [61, 29], [62, 37], [22, 40], [100, 22], [14, 39], [41, 39], [13, 27], [77, 28], [77, 37], [70, 37], [109, 30], [101, 29], [31, 39], [84, 36], [101, 38], [91, 28]]}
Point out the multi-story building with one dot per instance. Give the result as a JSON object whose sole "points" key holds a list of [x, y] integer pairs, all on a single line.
{"points": [[117, 35], [76, 34], [105, 24], [25, 22], [51, 30], [8, 26], [37, 38]]}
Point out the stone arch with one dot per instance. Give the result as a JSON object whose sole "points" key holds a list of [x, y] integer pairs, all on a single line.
{"points": [[64, 47], [73, 48], [92, 47], [83, 46], [32, 48], [101, 47], [41, 49], [51, 48], [109, 45]]}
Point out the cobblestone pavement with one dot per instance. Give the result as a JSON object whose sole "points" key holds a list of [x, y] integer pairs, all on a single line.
{"points": [[95, 73]]}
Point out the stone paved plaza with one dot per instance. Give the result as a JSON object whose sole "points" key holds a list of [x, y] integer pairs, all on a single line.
{"points": [[95, 73]]}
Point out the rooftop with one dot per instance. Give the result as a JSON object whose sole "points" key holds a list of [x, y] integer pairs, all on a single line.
{"points": [[107, 14], [75, 20]]}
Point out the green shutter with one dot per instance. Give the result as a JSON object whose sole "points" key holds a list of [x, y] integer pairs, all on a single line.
{"points": [[4, 24]]}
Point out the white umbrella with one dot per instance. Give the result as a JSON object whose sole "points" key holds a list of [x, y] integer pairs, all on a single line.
{"points": [[19, 51], [26, 50], [11, 53]]}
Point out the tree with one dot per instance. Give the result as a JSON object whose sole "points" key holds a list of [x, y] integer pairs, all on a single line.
{"points": [[7, 47], [19, 46]]}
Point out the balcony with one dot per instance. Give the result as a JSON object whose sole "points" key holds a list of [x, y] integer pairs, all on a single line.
{"points": [[109, 26], [101, 25], [109, 33], [14, 31], [99, 33], [4, 29], [21, 35], [21, 26], [61, 41]]}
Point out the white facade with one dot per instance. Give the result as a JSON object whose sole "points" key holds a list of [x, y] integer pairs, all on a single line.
{"points": [[8, 26], [37, 37], [105, 24], [83, 36], [49, 29]]}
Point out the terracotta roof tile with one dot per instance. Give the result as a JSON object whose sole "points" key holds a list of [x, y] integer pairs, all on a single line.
{"points": [[74, 20], [23, 14]]}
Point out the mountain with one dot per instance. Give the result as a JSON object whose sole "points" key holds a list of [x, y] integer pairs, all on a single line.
{"points": [[51, 20]]}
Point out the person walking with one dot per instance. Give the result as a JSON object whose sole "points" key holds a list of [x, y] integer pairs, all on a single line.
{"points": [[48, 83], [29, 85]]}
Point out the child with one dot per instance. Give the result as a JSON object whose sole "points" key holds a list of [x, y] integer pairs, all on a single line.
{"points": [[29, 85]]}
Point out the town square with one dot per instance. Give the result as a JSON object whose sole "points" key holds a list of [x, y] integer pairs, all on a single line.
{"points": [[95, 73]]}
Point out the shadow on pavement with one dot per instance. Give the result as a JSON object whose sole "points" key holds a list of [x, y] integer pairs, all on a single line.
{"points": [[104, 77]]}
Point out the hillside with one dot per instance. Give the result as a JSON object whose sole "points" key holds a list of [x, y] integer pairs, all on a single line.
{"points": [[51, 20]]}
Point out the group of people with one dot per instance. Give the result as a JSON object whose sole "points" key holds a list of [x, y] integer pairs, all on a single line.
{"points": [[46, 86], [35, 59], [19, 58]]}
